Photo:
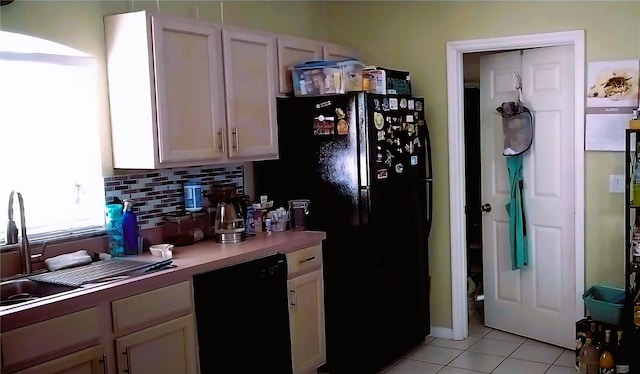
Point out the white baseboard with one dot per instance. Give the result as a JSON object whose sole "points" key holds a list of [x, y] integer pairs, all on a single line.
{"points": [[441, 332]]}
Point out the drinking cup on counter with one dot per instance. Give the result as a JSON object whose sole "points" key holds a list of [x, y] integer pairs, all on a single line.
{"points": [[162, 250]]}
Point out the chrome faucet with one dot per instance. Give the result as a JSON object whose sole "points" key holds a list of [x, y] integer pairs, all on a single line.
{"points": [[12, 234]]}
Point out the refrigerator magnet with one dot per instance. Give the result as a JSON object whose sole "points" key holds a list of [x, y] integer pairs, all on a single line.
{"points": [[389, 159], [409, 118], [378, 120], [379, 157], [380, 136], [414, 160], [403, 103], [340, 113], [393, 103], [382, 174], [376, 104], [343, 127], [418, 105], [410, 104], [399, 168], [323, 104], [385, 104]]}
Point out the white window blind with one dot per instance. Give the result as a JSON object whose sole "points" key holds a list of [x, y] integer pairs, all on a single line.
{"points": [[49, 145]]}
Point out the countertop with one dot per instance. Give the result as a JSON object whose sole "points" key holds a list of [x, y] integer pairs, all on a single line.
{"points": [[189, 260]]}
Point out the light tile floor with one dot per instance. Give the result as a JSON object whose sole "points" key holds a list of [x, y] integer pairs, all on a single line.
{"points": [[485, 351]]}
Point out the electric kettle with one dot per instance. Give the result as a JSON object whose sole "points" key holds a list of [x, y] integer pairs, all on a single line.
{"points": [[230, 220]]}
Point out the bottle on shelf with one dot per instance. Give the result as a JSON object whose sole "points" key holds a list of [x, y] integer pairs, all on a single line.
{"points": [[114, 229], [636, 312], [129, 228], [607, 359], [635, 191], [621, 355], [598, 339], [589, 361]]}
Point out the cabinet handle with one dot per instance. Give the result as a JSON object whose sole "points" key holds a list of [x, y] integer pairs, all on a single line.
{"points": [[105, 367], [221, 136], [236, 140], [294, 299], [128, 354], [307, 260]]}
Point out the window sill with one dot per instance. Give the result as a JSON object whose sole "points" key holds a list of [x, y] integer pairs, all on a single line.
{"points": [[56, 238]]}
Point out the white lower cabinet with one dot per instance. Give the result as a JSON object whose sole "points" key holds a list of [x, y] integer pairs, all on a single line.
{"points": [[165, 348], [306, 309], [306, 321], [69, 344], [87, 361]]}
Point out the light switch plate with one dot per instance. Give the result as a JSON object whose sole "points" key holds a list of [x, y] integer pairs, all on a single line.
{"points": [[616, 183]]}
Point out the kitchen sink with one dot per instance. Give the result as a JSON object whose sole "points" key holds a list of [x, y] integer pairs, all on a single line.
{"points": [[21, 290]]}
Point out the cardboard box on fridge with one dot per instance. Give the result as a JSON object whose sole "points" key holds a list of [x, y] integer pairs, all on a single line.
{"points": [[381, 80]]}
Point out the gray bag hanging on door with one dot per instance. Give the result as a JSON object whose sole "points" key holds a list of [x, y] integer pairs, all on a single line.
{"points": [[517, 128]]}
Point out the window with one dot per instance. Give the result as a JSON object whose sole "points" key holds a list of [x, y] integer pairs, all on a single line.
{"points": [[49, 145]]}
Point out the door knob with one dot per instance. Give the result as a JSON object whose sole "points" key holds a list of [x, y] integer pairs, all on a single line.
{"points": [[486, 208]]}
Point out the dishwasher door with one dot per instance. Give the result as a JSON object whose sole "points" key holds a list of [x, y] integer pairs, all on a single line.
{"points": [[242, 318]]}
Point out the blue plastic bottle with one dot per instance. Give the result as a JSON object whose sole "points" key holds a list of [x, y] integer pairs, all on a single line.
{"points": [[114, 230], [129, 228]]}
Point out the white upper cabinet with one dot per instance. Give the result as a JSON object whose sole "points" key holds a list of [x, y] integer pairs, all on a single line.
{"points": [[189, 90], [293, 51], [165, 89], [250, 73], [339, 52], [184, 92]]}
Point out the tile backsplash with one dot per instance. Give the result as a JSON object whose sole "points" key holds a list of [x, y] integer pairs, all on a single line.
{"points": [[158, 192]]}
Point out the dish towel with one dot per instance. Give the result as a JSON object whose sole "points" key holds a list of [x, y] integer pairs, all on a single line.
{"points": [[68, 260], [515, 209]]}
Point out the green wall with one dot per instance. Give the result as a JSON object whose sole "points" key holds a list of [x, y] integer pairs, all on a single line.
{"points": [[413, 35], [403, 35]]}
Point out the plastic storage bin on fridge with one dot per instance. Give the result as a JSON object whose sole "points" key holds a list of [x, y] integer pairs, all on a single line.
{"points": [[604, 303], [317, 78]]}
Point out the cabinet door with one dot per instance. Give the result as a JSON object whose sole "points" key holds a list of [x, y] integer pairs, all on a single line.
{"points": [[88, 361], [293, 51], [165, 348], [306, 319], [250, 73], [339, 52], [189, 90]]}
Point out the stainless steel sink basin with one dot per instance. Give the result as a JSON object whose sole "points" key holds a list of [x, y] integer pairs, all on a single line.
{"points": [[21, 290]]}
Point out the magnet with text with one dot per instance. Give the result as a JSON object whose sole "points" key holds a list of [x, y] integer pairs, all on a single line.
{"points": [[323, 125]]}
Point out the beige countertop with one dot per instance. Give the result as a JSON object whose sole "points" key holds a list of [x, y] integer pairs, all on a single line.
{"points": [[189, 260]]}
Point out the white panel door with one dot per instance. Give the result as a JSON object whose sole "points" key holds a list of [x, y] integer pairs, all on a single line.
{"points": [[537, 301]]}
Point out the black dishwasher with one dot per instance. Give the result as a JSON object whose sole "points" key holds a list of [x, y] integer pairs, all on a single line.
{"points": [[243, 318]]}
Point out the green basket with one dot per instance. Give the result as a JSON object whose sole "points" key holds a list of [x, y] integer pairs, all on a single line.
{"points": [[604, 303]]}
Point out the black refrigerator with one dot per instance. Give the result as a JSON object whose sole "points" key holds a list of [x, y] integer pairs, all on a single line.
{"points": [[363, 160]]}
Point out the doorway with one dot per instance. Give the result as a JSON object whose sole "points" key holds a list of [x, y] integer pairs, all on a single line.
{"points": [[456, 110]]}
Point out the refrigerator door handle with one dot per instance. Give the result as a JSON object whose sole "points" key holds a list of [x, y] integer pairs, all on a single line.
{"points": [[365, 203]]}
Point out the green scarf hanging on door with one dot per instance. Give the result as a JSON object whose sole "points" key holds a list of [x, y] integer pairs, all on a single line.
{"points": [[515, 209]]}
